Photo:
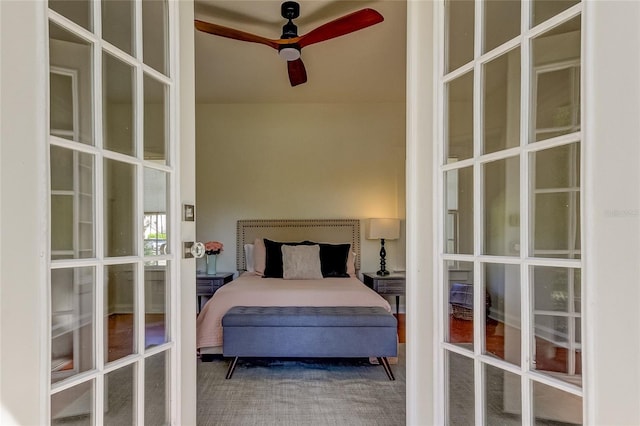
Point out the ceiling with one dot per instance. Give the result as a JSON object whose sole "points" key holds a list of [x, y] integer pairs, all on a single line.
{"points": [[364, 66]]}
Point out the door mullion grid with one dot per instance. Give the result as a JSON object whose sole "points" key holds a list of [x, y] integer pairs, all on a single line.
{"points": [[478, 119], [526, 292]]}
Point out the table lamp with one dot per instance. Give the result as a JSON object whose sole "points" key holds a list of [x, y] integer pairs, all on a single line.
{"points": [[383, 229]]}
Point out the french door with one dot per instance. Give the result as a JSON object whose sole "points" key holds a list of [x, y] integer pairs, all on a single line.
{"points": [[509, 178], [112, 158]]}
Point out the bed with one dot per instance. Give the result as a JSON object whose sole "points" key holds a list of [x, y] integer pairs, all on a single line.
{"points": [[297, 285]]}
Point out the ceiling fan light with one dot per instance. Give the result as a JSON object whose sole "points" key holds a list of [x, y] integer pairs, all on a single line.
{"points": [[289, 53]]}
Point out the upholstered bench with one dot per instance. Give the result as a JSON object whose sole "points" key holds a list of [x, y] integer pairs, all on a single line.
{"points": [[309, 332]]}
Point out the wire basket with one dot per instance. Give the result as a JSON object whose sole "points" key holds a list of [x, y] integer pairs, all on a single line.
{"points": [[460, 312]]}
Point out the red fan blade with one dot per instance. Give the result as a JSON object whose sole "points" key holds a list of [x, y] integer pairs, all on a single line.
{"points": [[219, 30], [347, 24], [297, 72]]}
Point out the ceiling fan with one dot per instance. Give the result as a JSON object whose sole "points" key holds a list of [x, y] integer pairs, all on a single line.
{"points": [[290, 44]]}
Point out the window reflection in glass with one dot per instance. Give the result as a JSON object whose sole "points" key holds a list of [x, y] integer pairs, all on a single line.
{"points": [[502, 311], [460, 390], [70, 84], [459, 214], [557, 339], [119, 311], [72, 204], [501, 112], [119, 398], [119, 202], [556, 81], [503, 393], [78, 11], [459, 137], [500, 22], [501, 207], [117, 23], [155, 110], [556, 219], [155, 389], [72, 319], [154, 34], [73, 405], [552, 406], [545, 9], [155, 212], [460, 18], [460, 303], [118, 108], [156, 289]]}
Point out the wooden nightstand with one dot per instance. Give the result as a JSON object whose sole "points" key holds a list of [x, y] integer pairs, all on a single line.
{"points": [[206, 285], [392, 285]]}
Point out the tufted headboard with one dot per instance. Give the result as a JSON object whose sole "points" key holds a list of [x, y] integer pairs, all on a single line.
{"points": [[320, 230]]}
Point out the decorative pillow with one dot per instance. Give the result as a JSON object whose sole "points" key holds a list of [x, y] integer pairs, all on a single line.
{"points": [[273, 258], [248, 257], [301, 262], [259, 256], [351, 263], [333, 259]]}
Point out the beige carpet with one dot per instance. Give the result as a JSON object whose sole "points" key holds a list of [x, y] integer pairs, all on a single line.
{"points": [[301, 392]]}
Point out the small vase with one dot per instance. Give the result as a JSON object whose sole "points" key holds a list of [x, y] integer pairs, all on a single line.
{"points": [[211, 264]]}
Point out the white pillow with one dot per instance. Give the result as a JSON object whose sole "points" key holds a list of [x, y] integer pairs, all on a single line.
{"points": [[301, 262], [248, 257]]}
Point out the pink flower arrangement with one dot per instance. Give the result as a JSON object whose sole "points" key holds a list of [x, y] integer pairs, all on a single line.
{"points": [[213, 247]]}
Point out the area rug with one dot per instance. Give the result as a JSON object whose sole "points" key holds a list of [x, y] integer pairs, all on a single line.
{"points": [[301, 392]]}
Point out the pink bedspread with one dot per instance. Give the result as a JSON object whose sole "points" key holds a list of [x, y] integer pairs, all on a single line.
{"points": [[252, 290]]}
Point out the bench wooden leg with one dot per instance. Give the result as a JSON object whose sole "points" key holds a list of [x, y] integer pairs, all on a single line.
{"points": [[387, 368], [232, 367]]}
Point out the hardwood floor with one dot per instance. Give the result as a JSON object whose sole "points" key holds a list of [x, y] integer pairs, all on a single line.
{"points": [[402, 337]]}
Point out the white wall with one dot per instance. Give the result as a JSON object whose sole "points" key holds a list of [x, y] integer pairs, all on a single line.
{"points": [[299, 161]]}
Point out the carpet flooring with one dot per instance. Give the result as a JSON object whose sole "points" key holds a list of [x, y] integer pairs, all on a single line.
{"points": [[301, 393]]}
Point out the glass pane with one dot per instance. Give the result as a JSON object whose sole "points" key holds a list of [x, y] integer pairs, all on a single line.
{"points": [[155, 389], [459, 139], [119, 311], [501, 207], [502, 302], [119, 396], [78, 11], [72, 222], [503, 394], [461, 382], [71, 94], [459, 214], [556, 81], [118, 109], [557, 339], [119, 201], [117, 23], [155, 291], [154, 34], [72, 318], [155, 108], [545, 9], [501, 123], [460, 17], [73, 405], [553, 406], [460, 302], [155, 212], [556, 218], [501, 22]]}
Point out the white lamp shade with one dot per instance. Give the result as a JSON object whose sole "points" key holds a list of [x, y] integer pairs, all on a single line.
{"points": [[387, 229]]}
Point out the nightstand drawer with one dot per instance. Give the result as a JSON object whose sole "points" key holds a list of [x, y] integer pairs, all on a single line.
{"points": [[208, 287], [390, 286]]}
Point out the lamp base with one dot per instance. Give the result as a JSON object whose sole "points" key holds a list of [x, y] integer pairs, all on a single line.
{"points": [[383, 273]]}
